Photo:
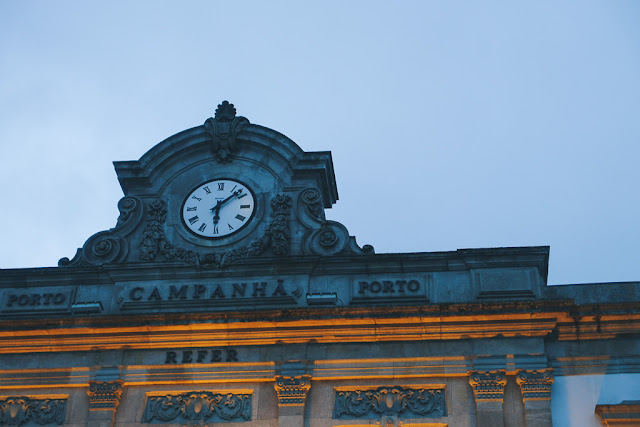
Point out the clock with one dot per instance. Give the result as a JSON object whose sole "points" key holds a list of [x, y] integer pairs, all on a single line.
{"points": [[218, 208]]}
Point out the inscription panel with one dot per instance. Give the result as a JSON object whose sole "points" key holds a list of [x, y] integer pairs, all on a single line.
{"points": [[389, 290], [37, 300]]}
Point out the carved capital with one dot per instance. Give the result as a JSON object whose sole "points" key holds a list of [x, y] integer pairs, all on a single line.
{"points": [[19, 410], [535, 385], [292, 391], [488, 385], [104, 396]]}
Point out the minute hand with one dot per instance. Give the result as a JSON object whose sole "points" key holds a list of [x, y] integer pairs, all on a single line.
{"points": [[216, 208]]}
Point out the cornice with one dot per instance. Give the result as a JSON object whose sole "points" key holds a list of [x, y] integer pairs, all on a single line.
{"points": [[419, 262]]}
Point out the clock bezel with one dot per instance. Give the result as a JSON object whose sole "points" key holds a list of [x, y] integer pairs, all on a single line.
{"points": [[218, 238]]}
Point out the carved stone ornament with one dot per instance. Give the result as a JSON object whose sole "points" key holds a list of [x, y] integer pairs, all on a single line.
{"points": [[276, 237], [104, 395], [197, 406], [397, 401], [488, 385], [109, 246], [535, 385], [20, 410], [324, 237], [292, 391], [222, 130]]}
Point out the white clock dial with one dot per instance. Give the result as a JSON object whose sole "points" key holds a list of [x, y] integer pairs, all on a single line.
{"points": [[218, 208]]}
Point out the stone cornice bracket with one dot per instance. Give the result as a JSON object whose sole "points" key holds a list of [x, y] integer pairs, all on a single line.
{"points": [[292, 391], [222, 130], [535, 385], [488, 386], [104, 396]]}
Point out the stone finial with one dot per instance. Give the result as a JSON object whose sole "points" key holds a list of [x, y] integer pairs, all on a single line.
{"points": [[104, 395], [488, 385], [222, 130], [535, 385], [292, 391]]}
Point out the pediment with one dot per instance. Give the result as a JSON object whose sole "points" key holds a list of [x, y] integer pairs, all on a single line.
{"points": [[288, 188]]}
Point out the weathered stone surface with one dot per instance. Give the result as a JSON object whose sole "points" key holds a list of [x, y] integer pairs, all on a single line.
{"points": [[198, 330]]}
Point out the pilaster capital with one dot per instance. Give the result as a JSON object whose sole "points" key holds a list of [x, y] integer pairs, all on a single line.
{"points": [[488, 386], [535, 385], [104, 396], [292, 391]]}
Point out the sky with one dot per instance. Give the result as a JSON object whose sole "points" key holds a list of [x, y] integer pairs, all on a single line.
{"points": [[457, 124]]}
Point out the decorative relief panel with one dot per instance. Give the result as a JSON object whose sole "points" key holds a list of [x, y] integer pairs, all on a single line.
{"points": [[402, 402], [196, 406], [488, 385], [20, 410], [535, 385]]}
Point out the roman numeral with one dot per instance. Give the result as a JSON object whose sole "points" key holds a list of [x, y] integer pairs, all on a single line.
{"points": [[206, 190], [240, 217], [245, 206], [197, 198], [240, 196], [234, 187], [215, 228], [221, 186], [230, 227], [192, 208], [202, 227], [193, 220]]}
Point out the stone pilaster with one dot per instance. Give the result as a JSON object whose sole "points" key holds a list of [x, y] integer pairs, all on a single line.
{"points": [[536, 394], [104, 398], [488, 391], [292, 396]]}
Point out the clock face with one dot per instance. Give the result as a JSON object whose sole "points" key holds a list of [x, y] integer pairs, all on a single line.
{"points": [[218, 208]]}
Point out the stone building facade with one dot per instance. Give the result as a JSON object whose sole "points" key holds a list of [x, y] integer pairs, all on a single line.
{"points": [[224, 296]]}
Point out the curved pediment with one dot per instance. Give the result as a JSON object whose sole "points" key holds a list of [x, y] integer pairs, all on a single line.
{"points": [[177, 209]]}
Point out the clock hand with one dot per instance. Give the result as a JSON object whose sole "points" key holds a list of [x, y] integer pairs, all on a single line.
{"points": [[216, 208]]}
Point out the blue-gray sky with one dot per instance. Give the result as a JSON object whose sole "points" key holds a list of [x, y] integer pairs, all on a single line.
{"points": [[452, 124]]}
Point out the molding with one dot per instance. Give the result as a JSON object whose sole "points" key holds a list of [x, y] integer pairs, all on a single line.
{"points": [[488, 386], [41, 410], [535, 385], [292, 391], [194, 406], [104, 396], [148, 335], [402, 402], [623, 414]]}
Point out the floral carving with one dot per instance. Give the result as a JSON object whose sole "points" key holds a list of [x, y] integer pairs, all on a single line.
{"points": [[198, 406], [292, 391], [488, 385], [154, 240], [328, 237], [104, 395], [394, 401], [535, 385], [21, 410]]}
